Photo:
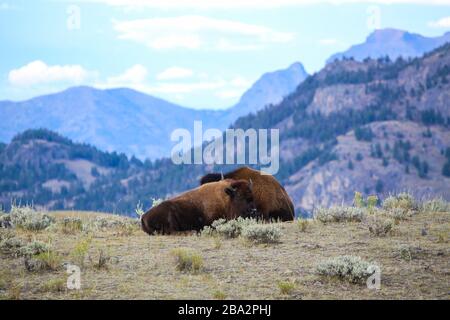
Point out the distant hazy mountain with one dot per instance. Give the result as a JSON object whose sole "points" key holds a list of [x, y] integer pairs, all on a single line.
{"points": [[271, 88], [393, 43], [120, 120], [131, 122]]}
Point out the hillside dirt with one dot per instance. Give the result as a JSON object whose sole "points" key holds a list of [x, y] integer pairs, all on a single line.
{"points": [[139, 266]]}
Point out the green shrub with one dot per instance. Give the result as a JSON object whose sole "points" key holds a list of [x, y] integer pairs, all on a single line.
{"points": [[227, 229], [380, 226], [286, 287], [358, 200], [78, 254], [102, 223], [219, 295], [33, 248], [349, 268], [187, 261], [399, 214], [249, 229], [372, 201], [302, 224], [230, 229], [208, 232], [261, 233], [125, 226], [5, 220], [54, 285], [403, 201], [47, 260], [12, 246], [6, 234], [101, 261], [29, 219], [72, 225], [435, 205], [139, 210], [339, 214], [408, 252]]}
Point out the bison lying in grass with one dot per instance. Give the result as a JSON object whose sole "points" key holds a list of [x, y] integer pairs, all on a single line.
{"points": [[272, 201], [195, 209]]}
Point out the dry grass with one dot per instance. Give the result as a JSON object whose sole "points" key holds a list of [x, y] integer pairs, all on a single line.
{"points": [[142, 267]]}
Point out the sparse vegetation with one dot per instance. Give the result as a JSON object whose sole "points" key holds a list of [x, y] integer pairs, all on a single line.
{"points": [[408, 252], [286, 287], [262, 233], [379, 226], [372, 201], [403, 201], [219, 295], [26, 217], [54, 285], [140, 207], [187, 260], [302, 224], [72, 225], [398, 214], [229, 268], [228, 229], [5, 220], [232, 228], [350, 268], [339, 214], [249, 229], [360, 202], [48, 260], [101, 260], [34, 248], [11, 246], [435, 205], [79, 253]]}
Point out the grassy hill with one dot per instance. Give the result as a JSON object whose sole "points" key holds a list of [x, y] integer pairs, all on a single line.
{"points": [[119, 261]]}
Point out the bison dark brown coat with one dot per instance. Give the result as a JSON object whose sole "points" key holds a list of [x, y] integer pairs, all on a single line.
{"points": [[192, 210], [272, 201]]}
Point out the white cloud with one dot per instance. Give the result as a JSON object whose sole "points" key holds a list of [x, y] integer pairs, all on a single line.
{"points": [[133, 75], [251, 4], [174, 73], [198, 32], [328, 42], [38, 73], [189, 87], [136, 77], [441, 23]]}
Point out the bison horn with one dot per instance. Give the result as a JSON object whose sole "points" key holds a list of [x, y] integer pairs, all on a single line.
{"points": [[250, 185], [222, 177]]}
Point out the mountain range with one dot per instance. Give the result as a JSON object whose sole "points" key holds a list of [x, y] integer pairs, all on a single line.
{"points": [[393, 43], [376, 126], [138, 124], [132, 122]]}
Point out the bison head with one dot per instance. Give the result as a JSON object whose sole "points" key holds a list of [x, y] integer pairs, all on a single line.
{"points": [[241, 196]]}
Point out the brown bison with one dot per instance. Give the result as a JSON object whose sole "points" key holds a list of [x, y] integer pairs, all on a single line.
{"points": [[272, 201], [197, 208]]}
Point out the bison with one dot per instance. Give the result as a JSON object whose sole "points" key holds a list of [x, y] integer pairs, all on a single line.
{"points": [[199, 207], [271, 199]]}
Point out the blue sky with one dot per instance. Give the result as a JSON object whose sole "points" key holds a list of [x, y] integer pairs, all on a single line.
{"points": [[197, 53]]}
